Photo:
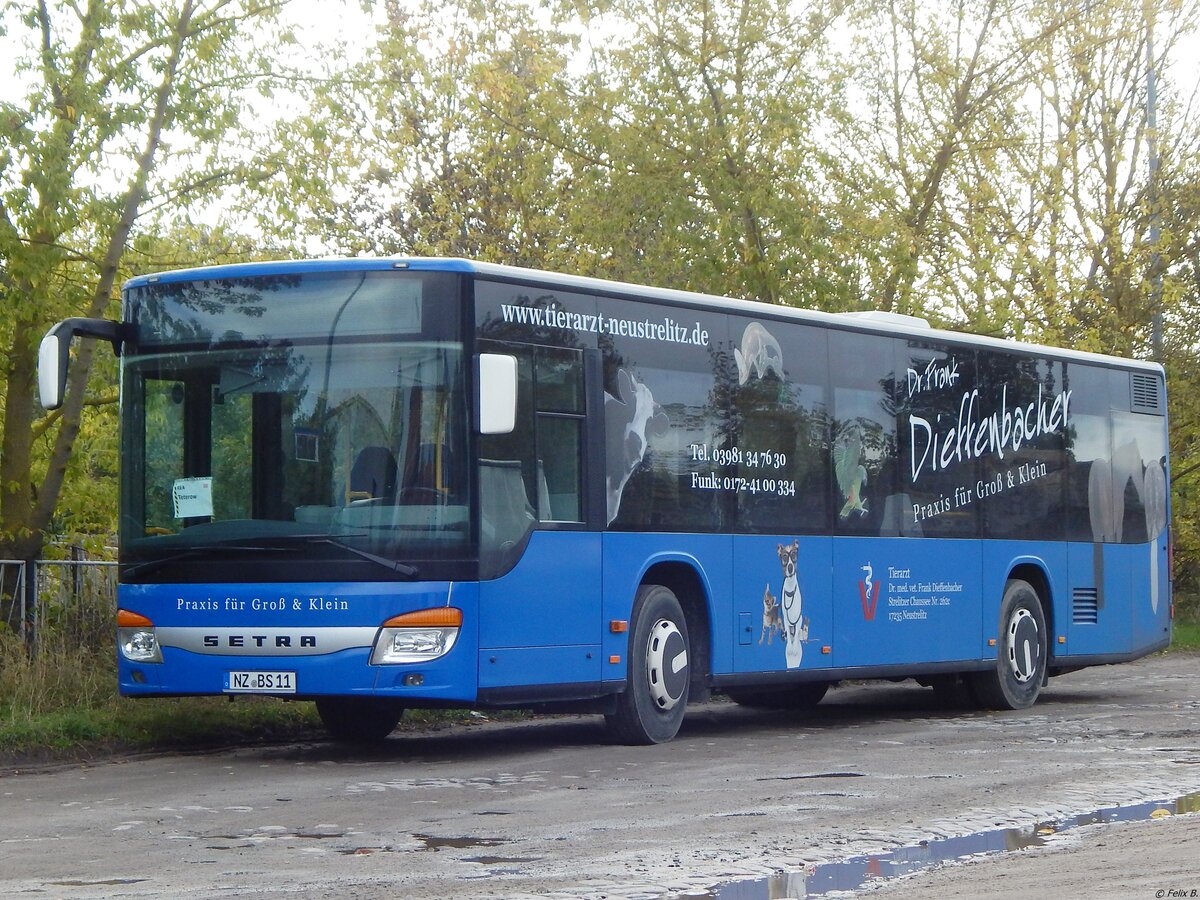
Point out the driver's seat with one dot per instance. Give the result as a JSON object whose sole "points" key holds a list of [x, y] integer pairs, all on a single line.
{"points": [[373, 476]]}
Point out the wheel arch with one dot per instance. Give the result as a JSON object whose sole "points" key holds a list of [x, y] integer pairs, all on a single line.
{"points": [[1033, 572], [1019, 673], [686, 581]]}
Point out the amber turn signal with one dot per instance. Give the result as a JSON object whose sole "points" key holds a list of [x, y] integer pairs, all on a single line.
{"points": [[441, 617]]}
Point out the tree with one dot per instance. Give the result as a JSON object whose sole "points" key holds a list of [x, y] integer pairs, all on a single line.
{"points": [[1179, 202], [126, 105], [944, 85], [435, 143], [1008, 162], [1085, 269], [697, 148], [687, 156]]}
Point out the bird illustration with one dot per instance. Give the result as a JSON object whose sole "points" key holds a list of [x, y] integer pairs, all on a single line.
{"points": [[851, 474]]}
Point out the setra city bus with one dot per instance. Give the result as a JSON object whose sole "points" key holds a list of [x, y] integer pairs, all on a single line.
{"points": [[390, 483]]}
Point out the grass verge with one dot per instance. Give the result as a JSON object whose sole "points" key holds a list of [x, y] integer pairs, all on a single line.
{"points": [[139, 725], [1185, 636], [62, 705]]}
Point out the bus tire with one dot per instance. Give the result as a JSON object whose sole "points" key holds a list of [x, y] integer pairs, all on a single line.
{"points": [[805, 695], [1020, 669], [650, 709], [359, 720]]}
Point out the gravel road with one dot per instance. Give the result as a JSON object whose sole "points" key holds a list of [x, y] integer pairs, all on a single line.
{"points": [[545, 807]]}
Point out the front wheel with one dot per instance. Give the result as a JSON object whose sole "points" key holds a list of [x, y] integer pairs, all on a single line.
{"points": [[359, 720], [1020, 668], [650, 709]]}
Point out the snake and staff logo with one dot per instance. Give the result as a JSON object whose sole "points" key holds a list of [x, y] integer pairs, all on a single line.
{"points": [[868, 592]]}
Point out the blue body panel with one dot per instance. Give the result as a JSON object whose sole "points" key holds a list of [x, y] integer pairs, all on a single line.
{"points": [[547, 622], [922, 604], [628, 557], [540, 623], [1152, 613], [1132, 606], [1090, 568], [1000, 558], [760, 640], [257, 612]]}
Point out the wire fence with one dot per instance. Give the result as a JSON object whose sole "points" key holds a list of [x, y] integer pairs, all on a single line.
{"points": [[74, 602]]}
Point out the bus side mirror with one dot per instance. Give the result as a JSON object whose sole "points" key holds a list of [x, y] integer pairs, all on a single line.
{"points": [[497, 379], [54, 354]]}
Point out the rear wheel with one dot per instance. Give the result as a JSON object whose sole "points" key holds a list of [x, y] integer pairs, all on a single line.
{"points": [[797, 696], [359, 720], [1020, 669], [650, 709]]}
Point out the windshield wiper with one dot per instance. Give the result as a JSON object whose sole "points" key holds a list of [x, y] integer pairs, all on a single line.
{"points": [[393, 565], [191, 553], [288, 543]]}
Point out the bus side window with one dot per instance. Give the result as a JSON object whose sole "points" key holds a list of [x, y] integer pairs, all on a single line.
{"points": [[546, 444], [560, 408], [864, 433], [559, 469], [506, 517], [506, 480]]}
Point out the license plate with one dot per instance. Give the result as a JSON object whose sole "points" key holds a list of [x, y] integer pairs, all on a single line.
{"points": [[260, 682]]}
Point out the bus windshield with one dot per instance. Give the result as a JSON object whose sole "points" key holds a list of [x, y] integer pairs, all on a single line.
{"points": [[295, 421]]}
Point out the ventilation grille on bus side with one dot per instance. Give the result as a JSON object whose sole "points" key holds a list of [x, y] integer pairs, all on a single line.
{"points": [[1144, 395], [1085, 606]]}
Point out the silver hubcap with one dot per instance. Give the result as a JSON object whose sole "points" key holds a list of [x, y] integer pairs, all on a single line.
{"points": [[1024, 646], [666, 664]]}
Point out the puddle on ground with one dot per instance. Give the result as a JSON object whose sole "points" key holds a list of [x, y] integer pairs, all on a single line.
{"points": [[858, 871], [500, 860], [817, 775], [458, 843]]}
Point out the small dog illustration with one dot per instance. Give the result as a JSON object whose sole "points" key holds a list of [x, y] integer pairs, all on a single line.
{"points": [[772, 618], [795, 624]]}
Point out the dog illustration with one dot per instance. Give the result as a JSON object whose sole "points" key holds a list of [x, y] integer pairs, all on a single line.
{"points": [[795, 623], [629, 419], [772, 619], [760, 353]]}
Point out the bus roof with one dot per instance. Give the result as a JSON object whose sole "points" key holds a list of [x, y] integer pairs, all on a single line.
{"points": [[868, 321]]}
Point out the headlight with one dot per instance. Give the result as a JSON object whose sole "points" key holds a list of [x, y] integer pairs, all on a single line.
{"points": [[417, 636], [137, 638]]}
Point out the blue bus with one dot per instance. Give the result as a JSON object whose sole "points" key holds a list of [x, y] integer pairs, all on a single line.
{"points": [[390, 483]]}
